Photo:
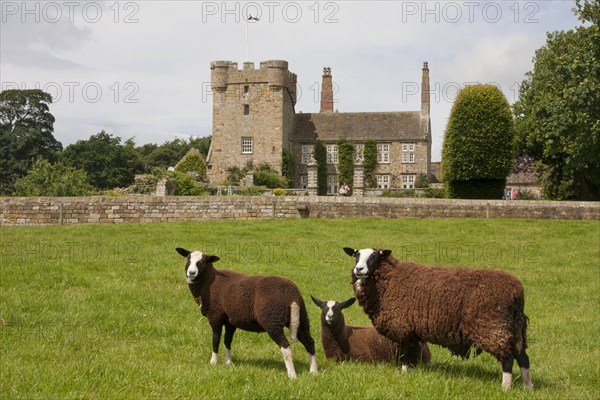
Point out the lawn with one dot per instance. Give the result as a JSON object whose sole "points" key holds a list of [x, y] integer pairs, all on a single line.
{"points": [[103, 311]]}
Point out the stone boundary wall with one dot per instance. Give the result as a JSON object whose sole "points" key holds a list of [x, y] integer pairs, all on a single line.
{"points": [[33, 211]]}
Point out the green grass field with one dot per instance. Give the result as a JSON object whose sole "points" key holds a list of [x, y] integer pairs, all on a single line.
{"points": [[103, 312]]}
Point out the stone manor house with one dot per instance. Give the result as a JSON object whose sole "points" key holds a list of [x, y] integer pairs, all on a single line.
{"points": [[254, 119]]}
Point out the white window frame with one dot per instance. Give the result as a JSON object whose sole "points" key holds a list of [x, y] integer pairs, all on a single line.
{"points": [[383, 153], [333, 184], [408, 153], [383, 181], [307, 151], [247, 145], [332, 154], [408, 181]]}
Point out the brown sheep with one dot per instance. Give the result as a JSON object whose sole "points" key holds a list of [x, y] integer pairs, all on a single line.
{"points": [[249, 302], [460, 309], [343, 342]]}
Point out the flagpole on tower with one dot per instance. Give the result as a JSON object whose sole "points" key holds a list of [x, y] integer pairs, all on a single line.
{"points": [[249, 18]]}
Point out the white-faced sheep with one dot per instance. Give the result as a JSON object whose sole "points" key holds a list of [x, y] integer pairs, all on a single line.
{"points": [[460, 309], [343, 342], [248, 302]]}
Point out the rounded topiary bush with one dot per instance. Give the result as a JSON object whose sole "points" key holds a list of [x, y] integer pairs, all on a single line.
{"points": [[478, 145]]}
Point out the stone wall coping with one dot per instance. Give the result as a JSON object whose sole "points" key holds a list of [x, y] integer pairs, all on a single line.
{"points": [[32, 211], [307, 199]]}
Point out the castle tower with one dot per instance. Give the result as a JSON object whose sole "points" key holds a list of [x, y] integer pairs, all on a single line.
{"points": [[327, 91], [253, 114]]}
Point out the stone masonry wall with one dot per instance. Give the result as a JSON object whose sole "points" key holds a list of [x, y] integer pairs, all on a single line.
{"points": [[21, 211]]}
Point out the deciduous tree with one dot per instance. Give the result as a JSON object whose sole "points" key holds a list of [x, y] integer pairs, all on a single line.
{"points": [[45, 179], [26, 133], [558, 112], [106, 162]]}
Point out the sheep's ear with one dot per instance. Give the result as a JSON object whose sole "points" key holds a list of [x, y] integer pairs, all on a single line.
{"points": [[183, 252], [351, 252], [347, 303], [385, 253], [318, 302], [213, 259]]}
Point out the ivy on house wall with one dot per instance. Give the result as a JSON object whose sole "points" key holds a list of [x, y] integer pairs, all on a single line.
{"points": [[321, 158], [345, 162], [288, 167], [370, 162]]}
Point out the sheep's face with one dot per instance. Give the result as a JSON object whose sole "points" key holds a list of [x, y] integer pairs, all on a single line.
{"points": [[367, 260], [331, 311], [196, 263]]}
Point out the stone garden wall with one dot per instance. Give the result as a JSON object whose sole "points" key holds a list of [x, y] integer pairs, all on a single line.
{"points": [[21, 211]]}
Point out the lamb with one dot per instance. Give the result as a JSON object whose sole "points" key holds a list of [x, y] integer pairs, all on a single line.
{"points": [[459, 309], [343, 342], [249, 302]]}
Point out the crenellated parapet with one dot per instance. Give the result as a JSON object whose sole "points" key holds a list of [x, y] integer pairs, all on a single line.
{"points": [[275, 73]]}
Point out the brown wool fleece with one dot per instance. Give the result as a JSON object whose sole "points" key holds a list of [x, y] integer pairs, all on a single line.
{"points": [[343, 342], [365, 344], [452, 307], [249, 302]]}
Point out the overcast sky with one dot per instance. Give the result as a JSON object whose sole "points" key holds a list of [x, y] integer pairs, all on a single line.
{"points": [[141, 69]]}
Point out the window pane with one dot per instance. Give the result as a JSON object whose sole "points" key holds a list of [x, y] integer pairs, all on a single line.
{"points": [[246, 145], [306, 153], [383, 181], [383, 153], [408, 152], [332, 184], [408, 181], [332, 155]]}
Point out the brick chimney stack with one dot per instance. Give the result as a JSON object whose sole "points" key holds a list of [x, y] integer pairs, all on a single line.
{"points": [[425, 92], [326, 91]]}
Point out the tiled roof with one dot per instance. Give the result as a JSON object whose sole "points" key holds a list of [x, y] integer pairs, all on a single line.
{"points": [[358, 126]]}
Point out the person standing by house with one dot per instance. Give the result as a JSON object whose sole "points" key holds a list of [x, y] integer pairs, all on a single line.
{"points": [[344, 190]]}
